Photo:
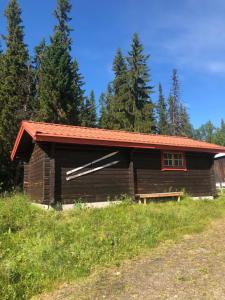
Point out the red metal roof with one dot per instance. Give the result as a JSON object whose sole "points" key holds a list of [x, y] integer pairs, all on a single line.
{"points": [[47, 132]]}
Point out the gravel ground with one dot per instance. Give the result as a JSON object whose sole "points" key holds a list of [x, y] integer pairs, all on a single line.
{"points": [[194, 268]]}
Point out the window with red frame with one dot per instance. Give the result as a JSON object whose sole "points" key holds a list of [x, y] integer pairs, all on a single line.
{"points": [[173, 160]]}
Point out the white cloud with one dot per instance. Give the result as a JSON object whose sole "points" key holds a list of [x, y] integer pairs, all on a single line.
{"points": [[216, 67]]}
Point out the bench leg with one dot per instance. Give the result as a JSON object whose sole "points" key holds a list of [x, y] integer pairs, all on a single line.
{"points": [[144, 201], [178, 199], [139, 201]]}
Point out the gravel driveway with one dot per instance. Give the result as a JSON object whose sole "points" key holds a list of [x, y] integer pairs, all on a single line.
{"points": [[194, 268]]}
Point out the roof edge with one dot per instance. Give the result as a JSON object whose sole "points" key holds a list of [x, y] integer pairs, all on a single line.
{"points": [[23, 128], [82, 141]]}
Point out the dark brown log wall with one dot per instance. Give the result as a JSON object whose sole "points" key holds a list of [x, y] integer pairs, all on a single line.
{"points": [[37, 174], [198, 180], [34, 174], [219, 169], [104, 184], [138, 171]]}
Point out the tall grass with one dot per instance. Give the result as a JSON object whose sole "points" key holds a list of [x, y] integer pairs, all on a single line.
{"points": [[40, 249]]}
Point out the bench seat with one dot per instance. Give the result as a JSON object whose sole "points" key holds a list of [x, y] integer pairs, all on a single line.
{"points": [[144, 197]]}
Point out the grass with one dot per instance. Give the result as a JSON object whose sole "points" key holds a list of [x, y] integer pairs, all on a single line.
{"points": [[41, 249]]}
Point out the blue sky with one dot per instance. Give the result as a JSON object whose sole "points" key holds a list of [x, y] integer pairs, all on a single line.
{"points": [[188, 35]]}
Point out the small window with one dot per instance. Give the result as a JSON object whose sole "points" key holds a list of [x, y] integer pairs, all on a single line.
{"points": [[173, 161]]}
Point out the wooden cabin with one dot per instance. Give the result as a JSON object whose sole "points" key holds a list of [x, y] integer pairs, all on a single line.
{"points": [[219, 170], [68, 163]]}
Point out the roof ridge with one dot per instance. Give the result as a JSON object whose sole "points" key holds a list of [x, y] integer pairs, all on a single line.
{"points": [[105, 129]]}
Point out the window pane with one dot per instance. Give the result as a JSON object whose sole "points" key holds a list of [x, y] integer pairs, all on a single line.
{"points": [[176, 162], [173, 159]]}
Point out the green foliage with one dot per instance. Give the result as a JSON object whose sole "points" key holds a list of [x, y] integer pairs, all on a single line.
{"points": [[186, 128], [178, 118], [161, 108], [107, 104], [205, 132], [219, 136], [88, 114], [41, 249], [15, 90], [120, 111], [128, 104], [209, 133], [79, 97], [55, 80], [142, 108], [104, 114]]}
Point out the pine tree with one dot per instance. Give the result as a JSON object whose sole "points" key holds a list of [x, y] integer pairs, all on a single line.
{"points": [[56, 88], [15, 89], [162, 113], [141, 106], [89, 117]]}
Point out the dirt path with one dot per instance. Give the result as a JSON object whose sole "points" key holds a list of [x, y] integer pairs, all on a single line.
{"points": [[192, 269]]}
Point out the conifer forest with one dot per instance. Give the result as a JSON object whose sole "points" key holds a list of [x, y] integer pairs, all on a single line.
{"points": [[48, 86]]}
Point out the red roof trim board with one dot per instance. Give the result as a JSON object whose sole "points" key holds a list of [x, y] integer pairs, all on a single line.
{"points": [[46, 132]]}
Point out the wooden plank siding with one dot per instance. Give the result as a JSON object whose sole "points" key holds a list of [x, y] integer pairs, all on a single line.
{"points": [[138, 172], [219, 169], [106, 183], [37, 174], [198, 180], [34, 175]]}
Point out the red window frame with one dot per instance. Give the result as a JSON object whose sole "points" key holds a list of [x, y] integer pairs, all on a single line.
{"points": [[173, 167]]}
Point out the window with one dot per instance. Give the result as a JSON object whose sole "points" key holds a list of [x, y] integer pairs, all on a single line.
{"points": [[173, 161]]}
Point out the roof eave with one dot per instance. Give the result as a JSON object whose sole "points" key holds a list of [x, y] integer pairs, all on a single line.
{"points": [[82, 141], [23, 128]]}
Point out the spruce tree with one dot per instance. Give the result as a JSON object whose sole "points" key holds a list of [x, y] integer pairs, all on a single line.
{"points": [[110, 106], [219, 136], [186, 128], [107, 108], [205, 132], [56, 88], [89, 112], [141, 106], [1, 75], [120, 100], [178, 117], [15, 90], [39, 52], [104, 114], [174, 106], [79, 92], [161, 109]]}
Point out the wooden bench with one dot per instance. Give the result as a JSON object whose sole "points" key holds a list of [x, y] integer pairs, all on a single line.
{"points": [[144, 197]]}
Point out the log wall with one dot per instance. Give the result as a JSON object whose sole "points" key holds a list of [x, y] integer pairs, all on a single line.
{"points": [[138, 171], [219, 169], [198, 180], [104, 184]]}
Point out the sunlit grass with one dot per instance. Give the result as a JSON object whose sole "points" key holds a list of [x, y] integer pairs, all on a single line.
{"points": [[40, 249]]}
